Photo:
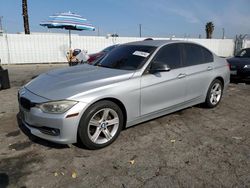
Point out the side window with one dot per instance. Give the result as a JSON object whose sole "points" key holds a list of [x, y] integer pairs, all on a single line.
{"points": [[193, 55], [170, 55], [208, 56]]}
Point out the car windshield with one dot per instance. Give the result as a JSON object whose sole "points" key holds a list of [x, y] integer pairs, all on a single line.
{"points": [[244, 53], [127, 57]]}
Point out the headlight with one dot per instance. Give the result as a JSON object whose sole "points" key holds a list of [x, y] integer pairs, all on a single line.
{"points": [[56, 107]]}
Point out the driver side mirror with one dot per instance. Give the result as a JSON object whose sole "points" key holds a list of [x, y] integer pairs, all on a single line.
{"points": [[158, 67]]}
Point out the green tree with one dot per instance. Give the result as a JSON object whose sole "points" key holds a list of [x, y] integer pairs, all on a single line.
{"points": [[25, 17], [209, 29]]}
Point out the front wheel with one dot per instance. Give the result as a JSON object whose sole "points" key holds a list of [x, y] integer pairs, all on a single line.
{"points": [[214, 94], [100, 125]]}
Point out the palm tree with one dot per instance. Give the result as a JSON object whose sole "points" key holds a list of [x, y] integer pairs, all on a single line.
{"points": [[25, 17], [209, 29]]}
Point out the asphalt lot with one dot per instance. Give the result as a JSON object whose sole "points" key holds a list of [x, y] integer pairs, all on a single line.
{"points": [[195, 147]]}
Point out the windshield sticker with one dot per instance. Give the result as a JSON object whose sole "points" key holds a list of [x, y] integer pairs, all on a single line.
{"points": [[140, 53]]}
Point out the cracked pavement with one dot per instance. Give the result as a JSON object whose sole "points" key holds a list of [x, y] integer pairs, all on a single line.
{"points": [[195, 147]]}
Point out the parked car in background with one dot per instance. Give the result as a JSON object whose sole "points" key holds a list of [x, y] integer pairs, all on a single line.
{"points": [[99, 55], [240, 65], [136, 82]]}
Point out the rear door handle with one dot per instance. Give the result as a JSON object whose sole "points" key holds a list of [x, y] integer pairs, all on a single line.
{"points": [[209, 68], [181, 76]]}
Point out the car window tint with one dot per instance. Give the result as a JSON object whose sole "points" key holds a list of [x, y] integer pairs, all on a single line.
{"points": [[208, 56], [193, 55], [170, 55]]}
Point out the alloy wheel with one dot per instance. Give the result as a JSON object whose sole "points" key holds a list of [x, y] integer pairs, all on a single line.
{"points": [[103, 126], [215, 94]]}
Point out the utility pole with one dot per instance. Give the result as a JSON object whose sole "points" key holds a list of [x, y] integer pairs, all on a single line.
{"points": [[140, 30], [25, 17], [223, 33], [1, 25], [98, 32]]}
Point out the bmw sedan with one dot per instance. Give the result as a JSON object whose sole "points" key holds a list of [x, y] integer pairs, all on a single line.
{"points": [[134, 83]]}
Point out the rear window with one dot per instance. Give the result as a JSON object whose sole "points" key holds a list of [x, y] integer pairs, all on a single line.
{"points": [[208, 56], [195, 55]]}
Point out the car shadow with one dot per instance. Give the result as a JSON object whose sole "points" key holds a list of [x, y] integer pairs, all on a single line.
{"points": [[36, 139]]}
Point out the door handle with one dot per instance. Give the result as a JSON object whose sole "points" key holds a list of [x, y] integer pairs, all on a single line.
{"points": [[181, 76], [209, 68]]}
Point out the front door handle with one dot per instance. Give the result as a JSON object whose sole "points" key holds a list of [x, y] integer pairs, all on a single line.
{"points": [[209, 68], [181, 76]]}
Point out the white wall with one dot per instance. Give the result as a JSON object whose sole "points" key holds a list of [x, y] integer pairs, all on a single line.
{"points": [[39, 48]]}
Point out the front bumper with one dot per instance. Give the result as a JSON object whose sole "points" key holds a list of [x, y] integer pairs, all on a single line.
{"points": [[53, 127]]}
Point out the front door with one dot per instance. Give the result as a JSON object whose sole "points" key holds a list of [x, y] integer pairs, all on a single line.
{"points": [[161, 90]]}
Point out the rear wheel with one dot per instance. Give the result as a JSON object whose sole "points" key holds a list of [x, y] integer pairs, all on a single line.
{"points": [[100, 125], [214, 94]]}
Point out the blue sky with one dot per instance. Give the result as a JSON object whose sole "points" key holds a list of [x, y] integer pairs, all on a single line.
{"points": [[159, 18]]}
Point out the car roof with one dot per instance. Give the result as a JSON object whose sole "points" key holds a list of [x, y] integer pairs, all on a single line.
{"points": [[155, 43]]}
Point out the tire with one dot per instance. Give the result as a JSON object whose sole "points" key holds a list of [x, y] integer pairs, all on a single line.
{"points": [[100, 125], [214, 95]]}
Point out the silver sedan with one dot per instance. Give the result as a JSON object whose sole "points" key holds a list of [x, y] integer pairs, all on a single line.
{"points": [[135, 82]]}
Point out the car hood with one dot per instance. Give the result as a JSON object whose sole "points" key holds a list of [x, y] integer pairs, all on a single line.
{"points": [[66, 82]]}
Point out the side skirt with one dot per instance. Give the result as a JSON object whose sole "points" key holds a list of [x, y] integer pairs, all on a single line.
{"points": [[166, 111]]}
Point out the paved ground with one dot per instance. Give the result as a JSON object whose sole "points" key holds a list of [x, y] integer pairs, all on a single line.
{"points": [[195, 147]]}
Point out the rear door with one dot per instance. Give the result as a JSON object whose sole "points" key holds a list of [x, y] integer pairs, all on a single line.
{"points": [[199, 65]]}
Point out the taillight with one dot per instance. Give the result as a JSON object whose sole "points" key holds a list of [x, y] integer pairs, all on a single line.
{"points": [[229, 66]]}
